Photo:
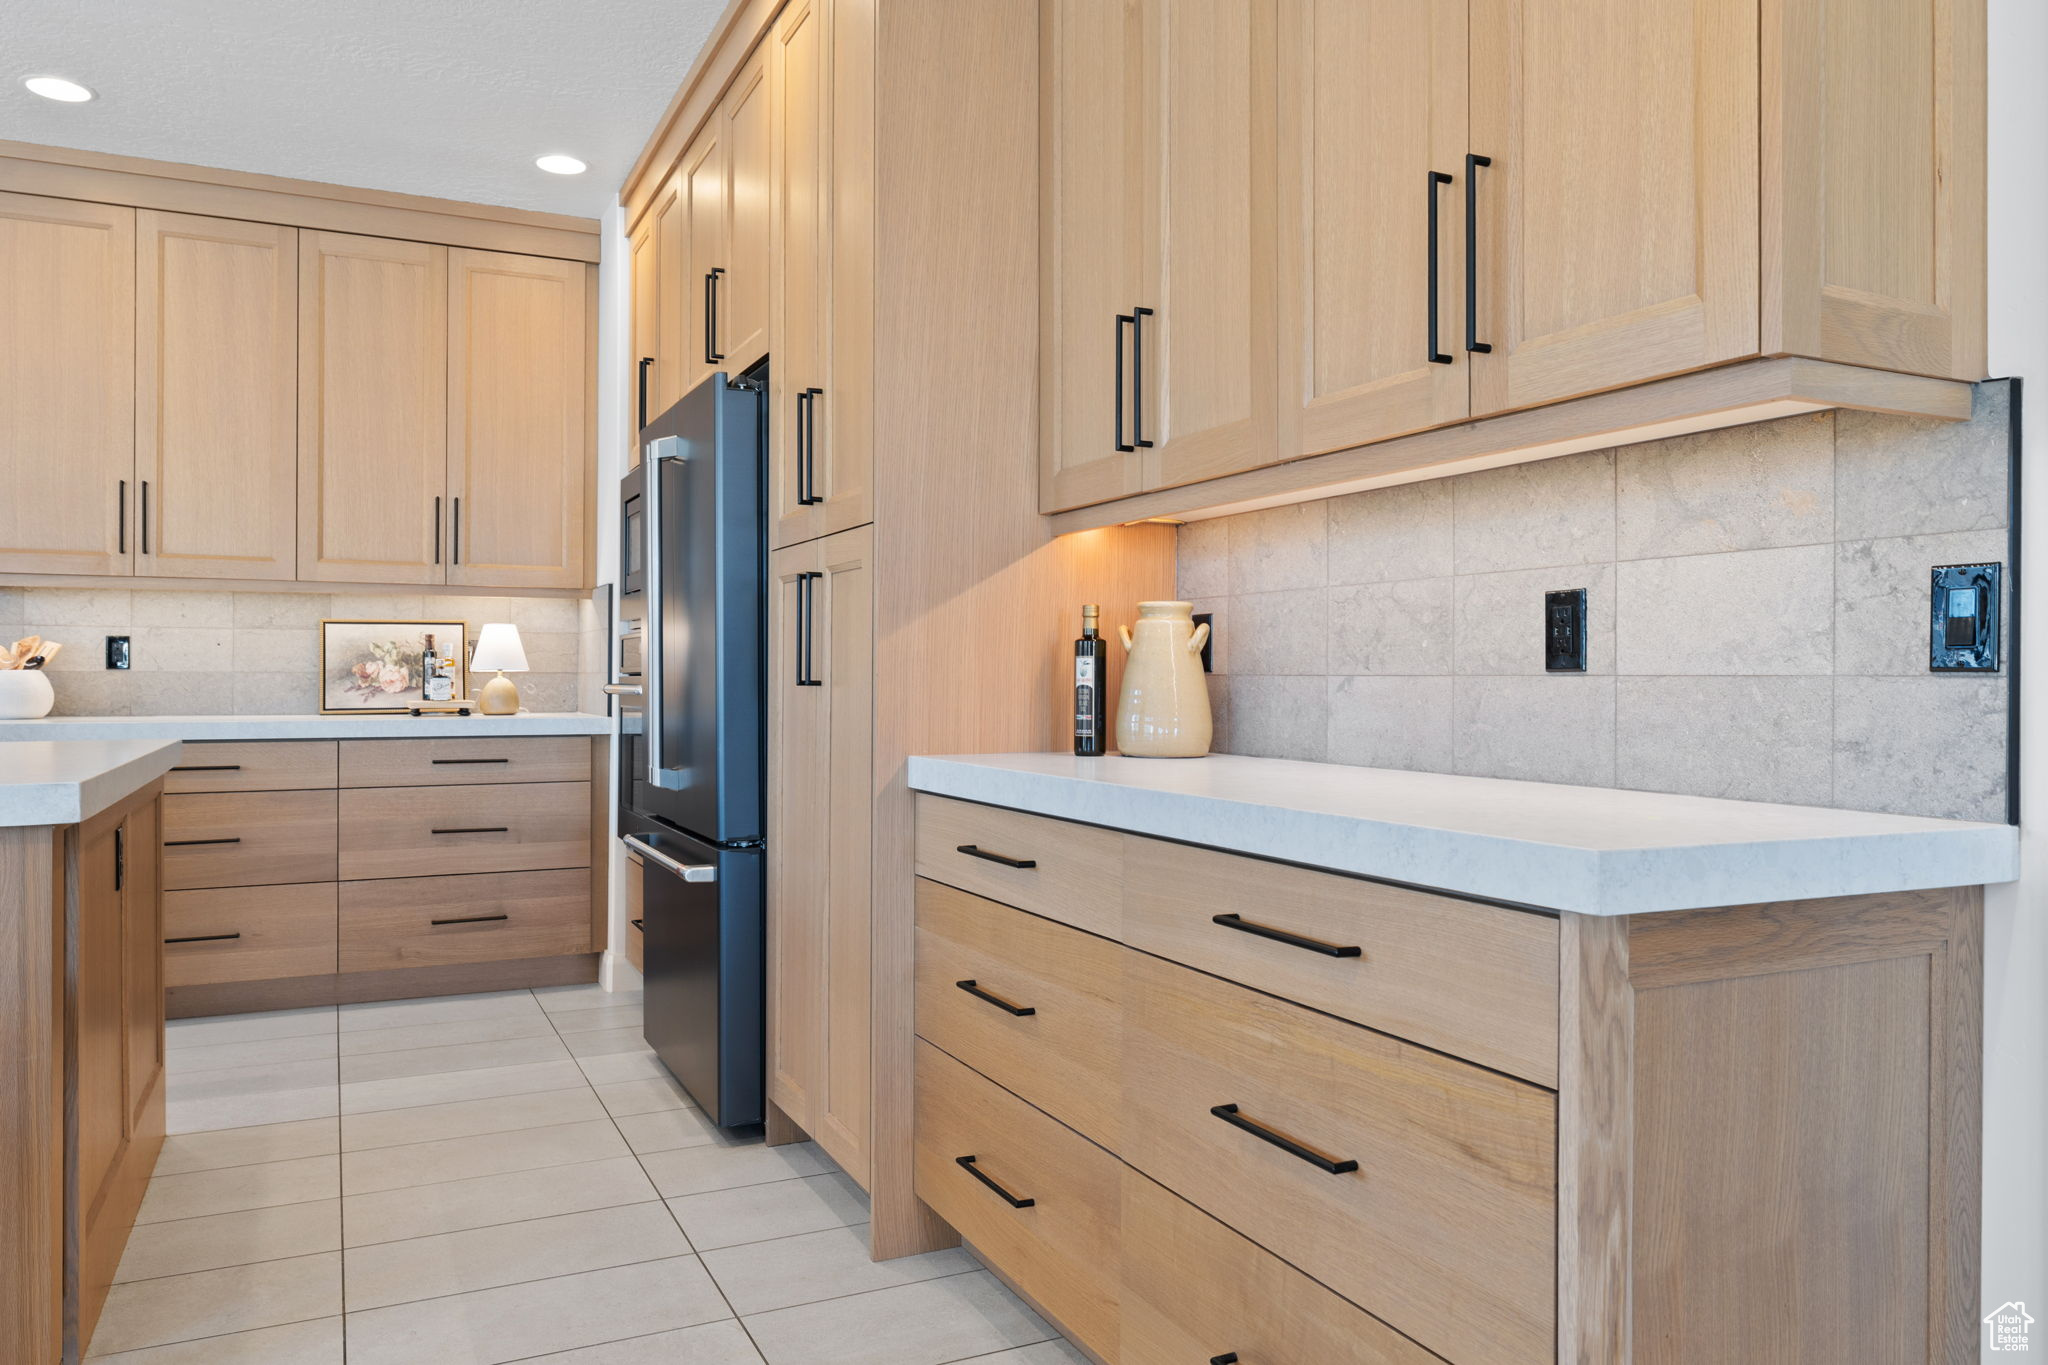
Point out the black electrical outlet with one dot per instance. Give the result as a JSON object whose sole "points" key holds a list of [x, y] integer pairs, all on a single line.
{"points": [[1962, 632], [117, 651], [1207, 618], [1564, 631]]}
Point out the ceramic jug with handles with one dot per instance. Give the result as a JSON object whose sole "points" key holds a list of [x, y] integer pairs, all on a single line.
{"points": [[1164, 710]]}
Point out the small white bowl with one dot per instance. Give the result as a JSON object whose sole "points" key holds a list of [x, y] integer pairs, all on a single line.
{"points": [[25, 694]]}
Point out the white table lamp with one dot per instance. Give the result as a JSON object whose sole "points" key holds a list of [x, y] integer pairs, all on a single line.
{"points": [[498, 651]]}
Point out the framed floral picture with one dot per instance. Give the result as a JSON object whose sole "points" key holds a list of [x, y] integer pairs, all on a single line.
{"points": [[374, 667]]}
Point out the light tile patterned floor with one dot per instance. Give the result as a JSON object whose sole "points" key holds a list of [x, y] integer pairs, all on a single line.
{"points": [[508, 1177]]}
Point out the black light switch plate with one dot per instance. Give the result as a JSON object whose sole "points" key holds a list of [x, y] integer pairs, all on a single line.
{"points": [[1564, 631], [117, 651], [1963, 613]]}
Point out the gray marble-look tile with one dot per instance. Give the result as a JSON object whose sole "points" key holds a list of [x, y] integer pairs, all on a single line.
{"points": [[302, 1047], [276, 694], [552, 651], [1883, 594], [181, 649], [182, 694], [1747, 739], [1276, 633], [208, 1303], [246, 1028], [1396, 627], [1058, 1351], [304, 610], [548, 692], [436, 1009], [13, 620], [390, 606], [1278, 548], [1558, 727], [756, 1213], [215, 1241], [231, 1189], [759, 1277], [487, 1200], [622, 1066], [588, 995], [1534, 516], [1386, 534], [446, 1033], [714, 1343], [1219, 714], [404, 1092], [605, 1042], [567, 1022], [515, 1253], [1738, 488], [956, 1318], [180, 607], [214, 1151], [1396, 722], [430, 1061], [369, 1170], [1501, 623], [1202, 558], [704, 1167], [314, 1342], [1932, 745], [1745, 612], [277, 649], [1899, 476], [469, 1118], [82, 693], [1272, 717], [651, 1095], [45, 609]]}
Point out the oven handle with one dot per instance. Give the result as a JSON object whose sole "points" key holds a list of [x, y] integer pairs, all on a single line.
{"points": [[689, 872]]}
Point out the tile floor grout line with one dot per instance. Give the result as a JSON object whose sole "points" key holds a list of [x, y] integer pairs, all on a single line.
{"points": [[878, 1289], [212, 1336], [229, 1213]]}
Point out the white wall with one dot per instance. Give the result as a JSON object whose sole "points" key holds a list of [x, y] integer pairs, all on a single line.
{"points": [[2016, 936], [614, 426]]}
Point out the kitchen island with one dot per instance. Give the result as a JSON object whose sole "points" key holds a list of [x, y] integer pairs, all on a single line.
{"points": [[1303, 1061], [81, 1026]]}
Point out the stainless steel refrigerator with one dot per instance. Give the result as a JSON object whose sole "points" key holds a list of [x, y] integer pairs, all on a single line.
{"points": [[693, 737]]}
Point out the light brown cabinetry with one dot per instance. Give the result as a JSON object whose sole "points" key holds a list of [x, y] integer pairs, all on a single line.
{"points": [[248, 838], [67, 361], [743, 297]]}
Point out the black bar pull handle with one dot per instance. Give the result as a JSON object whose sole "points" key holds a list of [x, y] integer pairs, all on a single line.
{"points": [[1314, 945], [976, 851], [475, 829], [646, 363], [806, 611], [810, 447], [121, 518], [455, 533], [470, 919], [203, 938], [189, 843], [1021, 1011], [1228, 1113], [437, 528], [120, 856], [712, 355], [207, 768], [966, 1163], [1138, 316], [1122, 320], [1227, 1358], [1472, 342], [639, 924], [144, 517], [1436, 356], [447, 762]]}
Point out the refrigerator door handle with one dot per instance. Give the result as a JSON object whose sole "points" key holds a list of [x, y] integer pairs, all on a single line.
{"points": [[689, 872], [654, 682]]}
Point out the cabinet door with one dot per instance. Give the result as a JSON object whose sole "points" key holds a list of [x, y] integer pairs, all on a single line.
{"points": [[518, 432], [701, 202], [1618, 221], [1203, 381], [373, 402], [804, 472], [67, 386], [1089, 207], [1372, 102], [646, 333], [745, 290], [142, 910], [216, 397], [844, 626], [677, 300], [799, 844]]}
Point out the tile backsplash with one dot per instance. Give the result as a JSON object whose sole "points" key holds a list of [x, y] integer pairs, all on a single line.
{"points": [[201, 652], [1757, 617]]}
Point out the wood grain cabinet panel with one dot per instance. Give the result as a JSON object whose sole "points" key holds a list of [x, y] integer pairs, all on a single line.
{"points": [[252, 766], [518, 432], [442, 831], [677, 327], [644, 262], [701, 202], [248, 933], [1064, 1243], [216, 397], [436, 921], [1068, 872], [373, 405], [67, 360], [248, 839], [464, 762], [745, 291]]}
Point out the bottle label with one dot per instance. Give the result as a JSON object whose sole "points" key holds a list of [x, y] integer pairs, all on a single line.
{"points": [[1085, 708]]}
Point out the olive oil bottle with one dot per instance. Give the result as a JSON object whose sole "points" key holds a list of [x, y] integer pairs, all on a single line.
{"points": [[1091, 670]]}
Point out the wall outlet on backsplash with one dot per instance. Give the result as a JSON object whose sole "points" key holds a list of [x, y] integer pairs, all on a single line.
{"points": [[1564, 631], [1207, 618], [117, 651]]}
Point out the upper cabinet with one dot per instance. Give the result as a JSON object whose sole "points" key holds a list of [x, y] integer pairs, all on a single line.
{"points": [[67, 387], [373, 409], [518, 432], [216, 397], [741, 300], [1284, 228]]}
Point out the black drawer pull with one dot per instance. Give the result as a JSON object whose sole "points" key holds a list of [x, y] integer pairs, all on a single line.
{"points": [[966, 1163], [202, 938], [188, 843], [207, 768], [470, 919], [639, 924], [1228, 1113], [979, 994], [479, 829], [1314, 945], [443, 762], [974, 851], [1227, 1358]]}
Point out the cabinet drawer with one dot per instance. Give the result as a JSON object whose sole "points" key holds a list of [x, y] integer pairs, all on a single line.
{"points": [[1073, 873], [1473, 980], [1193, 1290], [248, 933], [253, 766], [464, 762], [439, 831], [1445, 1228], [1065, 1054], [435, 921], [1061, 1247], [248, 839]]}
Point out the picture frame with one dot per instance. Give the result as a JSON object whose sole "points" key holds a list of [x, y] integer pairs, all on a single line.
{"points": [[372, 668]]}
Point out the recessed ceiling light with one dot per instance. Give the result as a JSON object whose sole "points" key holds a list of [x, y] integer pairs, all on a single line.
{"points": [[557, 164], [57, 88]]}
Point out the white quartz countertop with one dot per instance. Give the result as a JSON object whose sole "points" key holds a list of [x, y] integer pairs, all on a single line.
{"points": [[305, 726], [1591, 850], [61, 782]]}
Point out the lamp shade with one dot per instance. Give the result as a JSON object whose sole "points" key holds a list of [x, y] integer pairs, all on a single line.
{"points": [[498, 650]]}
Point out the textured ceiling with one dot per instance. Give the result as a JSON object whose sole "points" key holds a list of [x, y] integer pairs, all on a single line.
{"points": [[453, 98]]}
